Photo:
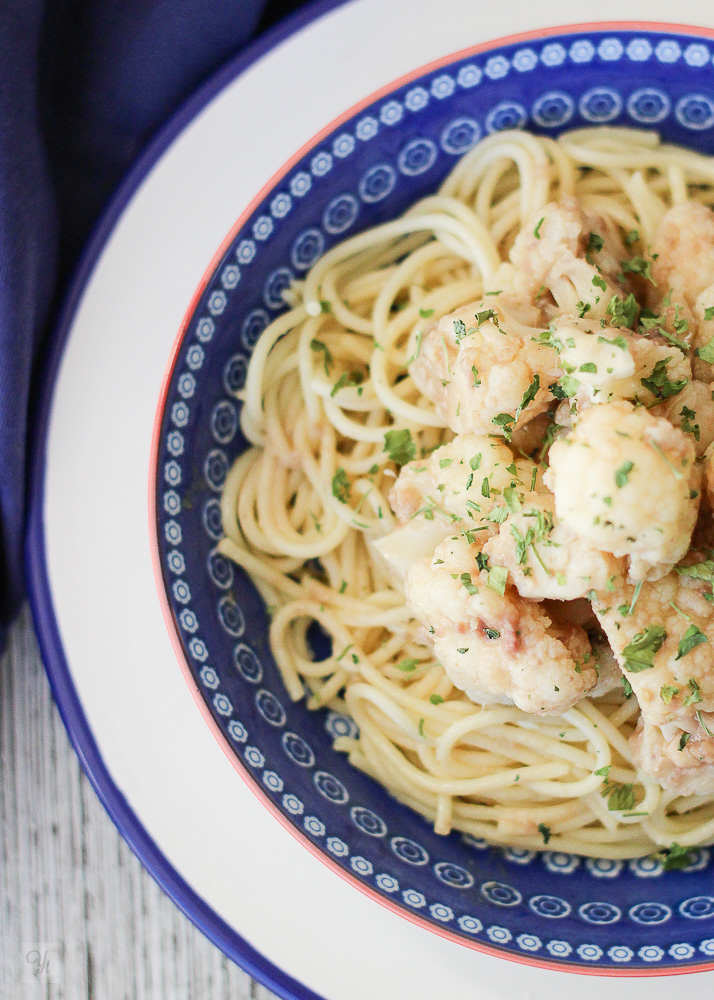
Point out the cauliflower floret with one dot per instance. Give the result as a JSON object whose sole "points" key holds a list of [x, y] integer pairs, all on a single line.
{"points": [[609, 674], [614, 363], [693, 410], [452, 478], [560, 251], [483, 368], [683, 270], [672, 676], [685, 770], [580, 612], [627, 483], [455, 488], [412, 540], [663, 637], [543, 556], [494, 645]]}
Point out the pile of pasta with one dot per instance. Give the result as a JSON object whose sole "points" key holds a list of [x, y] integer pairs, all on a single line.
{"points": [[478, 461]]}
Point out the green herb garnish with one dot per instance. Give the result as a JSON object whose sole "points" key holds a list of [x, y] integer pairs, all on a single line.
{"points": [[639, 652], [399, 446]]}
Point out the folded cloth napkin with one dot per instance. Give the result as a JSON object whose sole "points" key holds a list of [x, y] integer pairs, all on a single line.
{"points": [[83, 85]]}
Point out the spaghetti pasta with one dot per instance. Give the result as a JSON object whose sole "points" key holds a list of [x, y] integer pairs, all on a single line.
{"points": [[331, 411]]}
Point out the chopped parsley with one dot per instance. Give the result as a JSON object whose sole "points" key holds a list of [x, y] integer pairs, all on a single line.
{"points": [[700, 571], [706, 353], [435, 699], [544, 830], [444, 463], [549, 339], [475, 462], [510, 495], [426, 313], [622, 473], [418, 348], [599, 282], [638, 265], [497, 515], [688, 415], [709, 312], [595, 243], [485, 488], [659, 383], [469, 584], [667, 692], [603, 771], [505, 421], [674, 857], [399, 446], [619, 797], [522, 543], [623, 311], [528, 396], [407, 665], [694, 696], [459, 330], [497, 577], [319, 345], [491, 633], [477, 380], [341, 486], [692, 638], [639, 652], [566, 388], [486, 314], [683, 740], [536, 231], [632, 237], [346, 380], [618, 341]]}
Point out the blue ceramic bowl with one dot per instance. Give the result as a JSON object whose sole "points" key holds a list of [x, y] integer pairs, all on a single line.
{"points": [[551, 908]]}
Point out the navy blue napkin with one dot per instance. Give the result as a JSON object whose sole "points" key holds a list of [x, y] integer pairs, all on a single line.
{"points": [[84, 84]]}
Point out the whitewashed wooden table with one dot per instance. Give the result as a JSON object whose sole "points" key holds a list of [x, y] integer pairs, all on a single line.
{"points": [[80, 919]]}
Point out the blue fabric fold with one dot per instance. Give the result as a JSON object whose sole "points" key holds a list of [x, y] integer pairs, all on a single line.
{"points": [[84, 84]]}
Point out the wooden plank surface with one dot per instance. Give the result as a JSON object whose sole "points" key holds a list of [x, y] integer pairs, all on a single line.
{"points": [[80, 919]]}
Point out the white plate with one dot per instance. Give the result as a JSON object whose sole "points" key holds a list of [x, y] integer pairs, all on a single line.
{"points": [[239, 875]]}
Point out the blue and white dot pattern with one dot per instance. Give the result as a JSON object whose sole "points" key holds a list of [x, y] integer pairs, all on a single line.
{"points": [[270, 708], [551, 907], [368, 822], [234, 374], [588, 912], [409, 851], [501, 894], [454, 875], [377, 182], [417, 157], [649, 913], [248, 664], [330, 787], [298, 750], [599, 913]]}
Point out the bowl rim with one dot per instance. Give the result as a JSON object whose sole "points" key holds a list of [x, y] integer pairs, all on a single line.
{"points": [[559, 965]]}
